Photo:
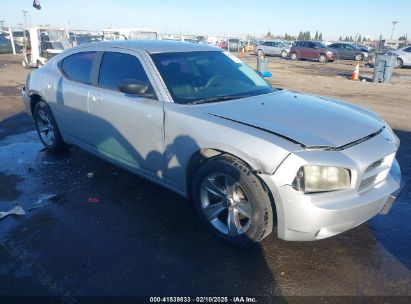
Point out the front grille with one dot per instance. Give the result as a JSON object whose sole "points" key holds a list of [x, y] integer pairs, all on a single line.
{"points": [[367, 183], [376, 172], [375, 164]]}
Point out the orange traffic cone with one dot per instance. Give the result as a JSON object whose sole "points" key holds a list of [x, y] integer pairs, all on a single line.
{"points": [[356, 73]]}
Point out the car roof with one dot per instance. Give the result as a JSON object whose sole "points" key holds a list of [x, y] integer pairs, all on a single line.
{"points": [[153, 46]]}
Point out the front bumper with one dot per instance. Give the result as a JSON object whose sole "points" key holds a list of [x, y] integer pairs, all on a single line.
{"points": [[332, 57], [308, 217]]}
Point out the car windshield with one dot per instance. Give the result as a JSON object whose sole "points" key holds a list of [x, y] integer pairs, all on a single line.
{"points": [[208, 76]]}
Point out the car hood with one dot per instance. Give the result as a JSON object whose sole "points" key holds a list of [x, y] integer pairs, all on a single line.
{"points": [[307, 120]]}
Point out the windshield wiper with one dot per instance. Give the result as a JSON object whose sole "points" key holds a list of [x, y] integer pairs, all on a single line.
{"points": [[218, 98]]}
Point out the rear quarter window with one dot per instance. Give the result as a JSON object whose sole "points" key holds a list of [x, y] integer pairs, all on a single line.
{"points": [[77, 67]]}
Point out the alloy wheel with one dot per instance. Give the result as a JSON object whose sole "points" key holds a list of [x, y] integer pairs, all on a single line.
{"points": [[225, 204], [45, 127]]}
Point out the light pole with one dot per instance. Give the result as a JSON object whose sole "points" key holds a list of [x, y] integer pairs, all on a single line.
{"points": [[24, 32], [24, 18], [2, 24], [393, 27]]}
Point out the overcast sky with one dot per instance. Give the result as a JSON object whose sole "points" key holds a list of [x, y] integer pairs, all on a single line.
{"points": [[234, 17]]}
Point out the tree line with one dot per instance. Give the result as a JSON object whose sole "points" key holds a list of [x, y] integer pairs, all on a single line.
{"points": [[301, 36]]}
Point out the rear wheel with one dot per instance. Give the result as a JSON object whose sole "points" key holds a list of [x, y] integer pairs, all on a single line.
{"points": [[399, 63], [47, 128], [260, 53], [359, 57], [231, 201], [322, 58], [293, 56]]}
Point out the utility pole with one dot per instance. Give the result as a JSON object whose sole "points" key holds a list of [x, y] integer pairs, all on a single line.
{"points": [[24, 18], [394, 23], [2, 24], [24, 31]]}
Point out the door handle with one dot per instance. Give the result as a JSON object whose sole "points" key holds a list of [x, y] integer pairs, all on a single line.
{"points": [[96, 98], [51, 86]]}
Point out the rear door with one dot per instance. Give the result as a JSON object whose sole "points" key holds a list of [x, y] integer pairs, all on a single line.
{"points": [[349, 52], [266, 47], [302, 48], [276, 49], [312, 52], [127, 128], [68, 94]]}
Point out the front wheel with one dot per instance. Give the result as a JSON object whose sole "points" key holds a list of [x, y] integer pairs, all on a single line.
{"points": [[260, 53], [231, 201], [293, 56], [359, 57], [322, 58], [284, 54], [47, 128]]}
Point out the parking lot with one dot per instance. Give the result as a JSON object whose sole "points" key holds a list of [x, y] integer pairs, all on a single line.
{"points": [[112, 233]]}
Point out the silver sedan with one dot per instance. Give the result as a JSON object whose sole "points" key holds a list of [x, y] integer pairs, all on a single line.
{"points": [[274, 48], [198, 121], [403, 56]]}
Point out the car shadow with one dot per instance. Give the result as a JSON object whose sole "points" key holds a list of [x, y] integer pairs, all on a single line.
{"points": [[134, 238], [396, 222]]}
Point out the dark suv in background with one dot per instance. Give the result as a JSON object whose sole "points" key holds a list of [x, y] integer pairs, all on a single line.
{"points": [[350, 51], [312, 50]]}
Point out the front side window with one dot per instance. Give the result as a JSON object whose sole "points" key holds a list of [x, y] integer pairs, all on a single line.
{"points": [[77, 67], [408, 49], [208, 76], [116, 67]]}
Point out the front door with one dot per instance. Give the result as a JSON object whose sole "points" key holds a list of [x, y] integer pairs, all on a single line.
{"points": [[127, 128]]}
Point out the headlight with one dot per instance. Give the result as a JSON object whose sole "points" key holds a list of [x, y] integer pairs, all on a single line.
{"points": [[312, 178]]}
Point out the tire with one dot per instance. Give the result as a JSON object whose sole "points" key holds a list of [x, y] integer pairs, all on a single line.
{"points": [[284, 54], [293, 56], [260, 53], [231, 201], [47, 128], [322, 58], [359, 57], [399, 63]]}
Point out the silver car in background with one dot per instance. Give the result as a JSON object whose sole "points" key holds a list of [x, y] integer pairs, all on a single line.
{"points": [[197, 120], [403, 56], [273, 48]]}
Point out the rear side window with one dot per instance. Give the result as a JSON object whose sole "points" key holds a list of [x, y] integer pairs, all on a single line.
{"points": [[408, 50], [77, 67], [116, 67]]}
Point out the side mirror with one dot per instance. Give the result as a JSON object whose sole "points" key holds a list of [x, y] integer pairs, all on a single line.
{"points": [[133, 86]]}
